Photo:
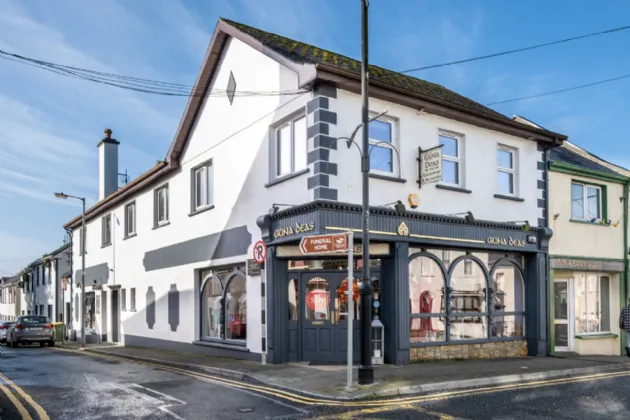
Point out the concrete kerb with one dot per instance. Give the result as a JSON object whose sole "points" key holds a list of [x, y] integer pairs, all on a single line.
{"points": [[385, 393]]}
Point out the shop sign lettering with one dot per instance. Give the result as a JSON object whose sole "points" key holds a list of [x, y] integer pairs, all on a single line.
{"points": [[430, 165], [509, 241], [293, 230]]}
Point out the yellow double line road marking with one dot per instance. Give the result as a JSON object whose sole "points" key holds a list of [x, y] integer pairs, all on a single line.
{"points": [[305, 400], [41, 413]]}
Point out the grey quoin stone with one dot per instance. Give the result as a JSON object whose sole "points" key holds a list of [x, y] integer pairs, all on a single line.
{"points": [[173, 307], [150, 307]]}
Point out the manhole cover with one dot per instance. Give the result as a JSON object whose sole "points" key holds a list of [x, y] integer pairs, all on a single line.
{"points": [[245, 410]]}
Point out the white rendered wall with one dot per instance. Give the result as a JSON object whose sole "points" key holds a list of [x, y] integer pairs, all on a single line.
{"points": [[419, 129]]}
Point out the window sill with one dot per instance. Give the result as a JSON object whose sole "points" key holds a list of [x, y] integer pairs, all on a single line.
{"points": [[460, 342], [161, 225], [586, 222], [596, 336], [106, 245], [196, 212], [132, 310], [388, 178], [286, 178], [453, 188], [509, 197], [224, 344], [133, 235]]}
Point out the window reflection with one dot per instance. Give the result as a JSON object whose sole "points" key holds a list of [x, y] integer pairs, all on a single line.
{"points": [[211, 301], [317, 298], [426, 296], [236, 309], [468, 294], [293, 300], [342, 298]]}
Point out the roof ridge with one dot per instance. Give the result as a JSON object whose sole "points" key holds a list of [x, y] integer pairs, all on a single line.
{"points": [[377, 73], [592, 156]]}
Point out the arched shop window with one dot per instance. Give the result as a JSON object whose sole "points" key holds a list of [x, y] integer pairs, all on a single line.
{"points": [[224, 304], [482, 295], [426, 300], [508, 300], [468, 317]]}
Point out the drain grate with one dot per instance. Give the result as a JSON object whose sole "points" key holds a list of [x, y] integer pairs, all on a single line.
{"points": [[245, 410]]}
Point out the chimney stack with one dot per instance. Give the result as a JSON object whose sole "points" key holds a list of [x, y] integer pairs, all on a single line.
{"points": [[107, 165]]}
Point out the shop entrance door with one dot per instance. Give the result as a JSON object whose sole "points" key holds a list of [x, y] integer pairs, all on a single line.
{"points": [[563, 314], [324, 318]]}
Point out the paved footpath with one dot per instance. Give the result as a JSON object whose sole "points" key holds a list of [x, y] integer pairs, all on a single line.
{"points": [[38, 383]]}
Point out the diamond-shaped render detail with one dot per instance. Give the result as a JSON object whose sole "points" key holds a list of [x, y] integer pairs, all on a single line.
{"points": [[231, 88]]}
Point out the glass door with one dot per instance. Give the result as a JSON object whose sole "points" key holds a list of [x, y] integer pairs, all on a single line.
{"points": [[563, 308]]}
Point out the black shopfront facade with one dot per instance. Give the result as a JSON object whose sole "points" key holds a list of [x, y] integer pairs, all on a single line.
{"points": [[447, 287]]}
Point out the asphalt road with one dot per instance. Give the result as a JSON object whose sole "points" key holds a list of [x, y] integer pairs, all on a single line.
{"points": [[74, 386], [46, 384]]}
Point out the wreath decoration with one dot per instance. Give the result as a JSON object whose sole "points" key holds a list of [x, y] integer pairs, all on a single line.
{"points": [[343, 288]]}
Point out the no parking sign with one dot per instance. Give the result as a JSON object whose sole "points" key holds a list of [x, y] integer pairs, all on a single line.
{"points": [[260, 252]]}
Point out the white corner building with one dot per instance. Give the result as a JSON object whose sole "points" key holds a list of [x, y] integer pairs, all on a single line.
{"points": [[255, 158]]}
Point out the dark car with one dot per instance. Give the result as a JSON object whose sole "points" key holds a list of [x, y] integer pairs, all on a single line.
{"points": [[30, 329]]}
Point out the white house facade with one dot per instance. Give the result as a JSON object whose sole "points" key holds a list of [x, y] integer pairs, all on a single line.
{"points": [[169, 256], [10, 298], [41, 285]]}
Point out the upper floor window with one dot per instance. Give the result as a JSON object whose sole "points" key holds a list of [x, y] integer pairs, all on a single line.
{"points": [[130, 219], [106, 224], [451, 158], [291, 147], [203, 184], [161, 206], [586, 202], [381, 134], [506, 171]]}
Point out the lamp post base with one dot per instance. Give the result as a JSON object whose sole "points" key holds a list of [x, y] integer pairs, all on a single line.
{"points": [[366, 375]]}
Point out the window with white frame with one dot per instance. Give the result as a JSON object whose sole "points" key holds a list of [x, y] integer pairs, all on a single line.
{"points": [[586, 202], [451, 158], [130, 219], [592, 303], [291, 147], [161, 206], [203, 183], [382, 138], [506, 170], [106, 232]]}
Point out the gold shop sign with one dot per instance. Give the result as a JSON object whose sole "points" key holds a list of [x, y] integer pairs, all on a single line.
{"points": [[509, 241], [293, 230]]}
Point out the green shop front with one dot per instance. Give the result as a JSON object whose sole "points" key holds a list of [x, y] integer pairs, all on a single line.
{"points": [[447, 287]]}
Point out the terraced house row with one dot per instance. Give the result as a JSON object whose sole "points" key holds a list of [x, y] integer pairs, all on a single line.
{"points": [[520, 249]]}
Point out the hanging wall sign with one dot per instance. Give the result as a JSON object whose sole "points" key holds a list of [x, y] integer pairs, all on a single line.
{"points": [[429, 165]]}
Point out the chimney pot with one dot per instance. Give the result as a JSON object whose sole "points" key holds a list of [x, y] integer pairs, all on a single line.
{"points": [[108, 133]]}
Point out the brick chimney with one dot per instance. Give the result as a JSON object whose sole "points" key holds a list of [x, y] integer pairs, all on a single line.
{"points": [[107, 165]]}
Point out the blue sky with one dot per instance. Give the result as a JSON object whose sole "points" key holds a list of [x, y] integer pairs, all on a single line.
{"points": [[50, 125]]}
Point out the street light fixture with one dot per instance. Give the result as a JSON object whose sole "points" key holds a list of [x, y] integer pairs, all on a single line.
{"points": [[65, 197]]}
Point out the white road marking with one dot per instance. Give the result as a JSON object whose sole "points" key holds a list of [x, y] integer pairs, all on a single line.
{"points": [[129, 388]]}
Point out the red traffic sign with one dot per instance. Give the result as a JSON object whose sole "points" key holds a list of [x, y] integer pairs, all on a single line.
{"points": [[324, 243], [260, 252]]}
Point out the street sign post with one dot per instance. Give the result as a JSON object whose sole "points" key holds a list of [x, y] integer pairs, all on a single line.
{"points": [[324, 243], [340, 242], [260, 252]]}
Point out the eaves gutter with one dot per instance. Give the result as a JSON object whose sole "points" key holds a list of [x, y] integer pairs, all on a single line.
{"points": [[324, 71], [589, 173], [138, 185]]}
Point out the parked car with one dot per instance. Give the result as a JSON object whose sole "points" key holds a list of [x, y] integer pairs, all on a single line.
{"points": [[4, 328], [30, 329]]}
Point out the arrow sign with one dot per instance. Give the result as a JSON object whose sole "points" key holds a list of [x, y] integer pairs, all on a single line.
{"points": [[324, 243]]}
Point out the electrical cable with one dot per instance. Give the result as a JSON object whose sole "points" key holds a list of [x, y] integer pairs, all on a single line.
{"points": [[625, 76]]}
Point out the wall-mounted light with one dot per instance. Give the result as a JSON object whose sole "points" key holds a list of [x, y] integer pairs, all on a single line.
{"points": [[469, 218], [555, 216]]}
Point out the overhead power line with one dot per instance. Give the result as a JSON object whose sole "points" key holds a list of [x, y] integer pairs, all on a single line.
{"points": [[625, 76], [157, 87], [517, 50], [133, 83]]}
